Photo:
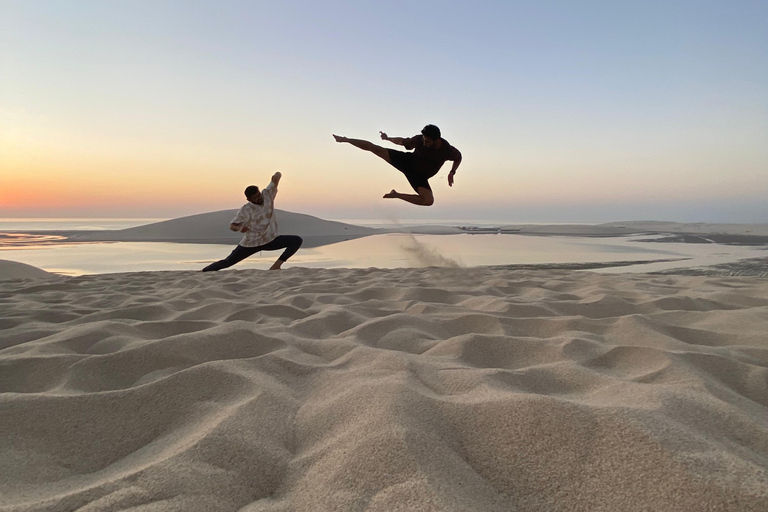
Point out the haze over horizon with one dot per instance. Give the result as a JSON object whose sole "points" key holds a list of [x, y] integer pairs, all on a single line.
{"points": [[564, 111]]}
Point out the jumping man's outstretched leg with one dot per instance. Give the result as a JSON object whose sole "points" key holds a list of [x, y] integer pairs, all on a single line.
{"points": [[366, 146], [424, 197]]}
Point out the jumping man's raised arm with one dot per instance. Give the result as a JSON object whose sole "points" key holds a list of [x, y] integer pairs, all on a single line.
{"points": [[393, 140]]}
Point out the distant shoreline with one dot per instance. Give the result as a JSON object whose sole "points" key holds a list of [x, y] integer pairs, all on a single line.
{"points": [[211, 229]]}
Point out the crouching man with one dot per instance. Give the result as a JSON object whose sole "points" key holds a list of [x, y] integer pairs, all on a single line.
{"points": [[257, 220]]}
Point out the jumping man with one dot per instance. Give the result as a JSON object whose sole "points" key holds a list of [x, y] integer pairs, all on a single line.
{"points": [[256, 219], [430, 152]]}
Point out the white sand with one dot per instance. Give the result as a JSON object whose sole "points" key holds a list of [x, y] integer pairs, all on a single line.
{"points": [[16, 270], [383, 390]]}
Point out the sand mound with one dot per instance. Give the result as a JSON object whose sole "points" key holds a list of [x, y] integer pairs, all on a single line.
{"points": [[381, 390], [213, 227], [15, 270]]}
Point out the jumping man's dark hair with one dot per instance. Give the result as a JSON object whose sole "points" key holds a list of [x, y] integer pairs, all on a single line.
{"points": [[431, 131]]}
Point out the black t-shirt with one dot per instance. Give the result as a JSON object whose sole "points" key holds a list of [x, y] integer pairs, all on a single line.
{"points": [[428, 160]]}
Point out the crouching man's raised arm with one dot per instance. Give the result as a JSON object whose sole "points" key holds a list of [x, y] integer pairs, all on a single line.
{"points": [[275, 180]]}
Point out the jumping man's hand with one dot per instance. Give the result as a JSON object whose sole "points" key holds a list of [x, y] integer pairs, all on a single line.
{"points": [[450, 178], [383, 136]]}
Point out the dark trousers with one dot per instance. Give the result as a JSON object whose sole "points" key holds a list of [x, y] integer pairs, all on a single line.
{"points": [[290, 243]]}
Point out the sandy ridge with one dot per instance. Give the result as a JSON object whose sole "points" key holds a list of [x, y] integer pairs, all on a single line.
{"points": [[420, 389], [17, 270]]}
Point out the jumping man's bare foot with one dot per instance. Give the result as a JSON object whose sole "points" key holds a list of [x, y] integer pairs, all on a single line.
{"points": [[392, 195], [339, 138]]}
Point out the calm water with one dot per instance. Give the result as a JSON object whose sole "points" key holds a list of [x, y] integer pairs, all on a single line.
{"points": [[383, 251], [72, 224]]}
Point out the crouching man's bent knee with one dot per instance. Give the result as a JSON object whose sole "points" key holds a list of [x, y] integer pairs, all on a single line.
{"points": [[291, 244]]}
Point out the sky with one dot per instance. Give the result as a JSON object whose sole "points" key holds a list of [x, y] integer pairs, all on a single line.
{"points": [[564, 111]]}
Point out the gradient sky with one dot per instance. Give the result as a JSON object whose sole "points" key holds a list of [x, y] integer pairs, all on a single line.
{"points": [[574, 111]]}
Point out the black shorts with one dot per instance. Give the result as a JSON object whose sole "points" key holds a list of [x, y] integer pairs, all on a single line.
{"points": [[406, 164]]}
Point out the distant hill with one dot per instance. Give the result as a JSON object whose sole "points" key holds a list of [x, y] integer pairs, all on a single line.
{"points": [[16, 270], [213, 228]]}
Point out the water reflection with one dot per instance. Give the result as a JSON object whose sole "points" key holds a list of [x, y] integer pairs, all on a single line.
{"points": [[383, 251]]}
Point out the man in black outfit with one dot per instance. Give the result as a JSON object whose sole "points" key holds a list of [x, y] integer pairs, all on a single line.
{"points": [[430, 152]]}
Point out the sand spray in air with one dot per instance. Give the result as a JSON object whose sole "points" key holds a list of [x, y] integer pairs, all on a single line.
{"points": [[422, 254]]}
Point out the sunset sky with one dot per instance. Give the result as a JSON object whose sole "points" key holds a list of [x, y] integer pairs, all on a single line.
{"points": [[573, 111]]}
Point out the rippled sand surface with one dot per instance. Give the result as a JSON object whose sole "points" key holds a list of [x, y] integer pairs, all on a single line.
{"points": [[413, 389]]}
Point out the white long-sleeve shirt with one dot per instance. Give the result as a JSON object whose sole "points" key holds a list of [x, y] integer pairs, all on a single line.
{"points": [[260, 219]]}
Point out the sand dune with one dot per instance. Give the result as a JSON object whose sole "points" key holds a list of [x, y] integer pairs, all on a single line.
{"points": [[381, 390], [16, 270], [213, 227]]}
